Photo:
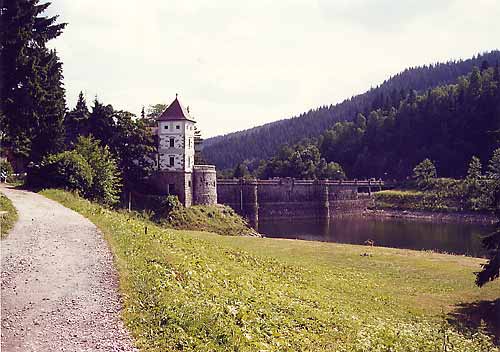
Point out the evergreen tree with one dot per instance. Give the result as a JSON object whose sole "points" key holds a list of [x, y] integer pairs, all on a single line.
{"points": [[476, 197], [76, 121], [101, 121], [494, 165], [474, 171], [32, 94], [485, 65]]}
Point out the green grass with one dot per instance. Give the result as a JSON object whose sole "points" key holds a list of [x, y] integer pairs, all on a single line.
{"points": [[8, 220], [219, 219], [415, 200], [197, 291]]}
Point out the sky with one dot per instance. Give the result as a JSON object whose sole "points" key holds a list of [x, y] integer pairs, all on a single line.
{"points": [[240, 64]]}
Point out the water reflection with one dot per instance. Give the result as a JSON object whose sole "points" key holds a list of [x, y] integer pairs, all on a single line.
{"points": [[387, 232]]}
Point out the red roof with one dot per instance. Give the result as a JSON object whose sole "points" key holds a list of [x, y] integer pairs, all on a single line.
{"points": [[175, 112]]}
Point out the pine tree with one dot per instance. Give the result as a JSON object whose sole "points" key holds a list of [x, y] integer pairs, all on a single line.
{"points": [[475, 169], [494, 165], [485, 65], [101, 122], [76, 121], [496, 73], [32, 95]]}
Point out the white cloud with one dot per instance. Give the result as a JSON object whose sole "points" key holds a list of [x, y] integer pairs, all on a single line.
{"points": [[239, 64]]}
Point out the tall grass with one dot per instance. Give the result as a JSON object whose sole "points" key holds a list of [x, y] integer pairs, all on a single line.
{"points": [[196, 291]]}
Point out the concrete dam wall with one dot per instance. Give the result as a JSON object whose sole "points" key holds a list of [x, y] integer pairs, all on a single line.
{"points": [[285, 198]]}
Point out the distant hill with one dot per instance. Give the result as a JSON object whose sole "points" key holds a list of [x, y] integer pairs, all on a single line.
{"points": [[264, 141]]}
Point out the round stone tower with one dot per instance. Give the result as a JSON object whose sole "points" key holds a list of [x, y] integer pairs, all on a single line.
{"points": [[204, 185]]}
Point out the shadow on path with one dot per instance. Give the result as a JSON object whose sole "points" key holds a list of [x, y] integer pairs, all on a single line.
{"points": [[468, 317]]}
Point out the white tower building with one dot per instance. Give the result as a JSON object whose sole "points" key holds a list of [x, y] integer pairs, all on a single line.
{"points": [[177, 174], [176, 139]]}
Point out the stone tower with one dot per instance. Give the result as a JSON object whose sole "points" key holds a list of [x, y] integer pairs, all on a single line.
{"points": [[177, 174]]}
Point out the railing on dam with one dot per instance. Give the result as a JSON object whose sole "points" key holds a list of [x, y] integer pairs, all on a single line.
{"points": [[289, 197], [358, 183]]}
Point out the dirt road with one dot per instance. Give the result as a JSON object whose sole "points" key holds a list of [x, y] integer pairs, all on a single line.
{"points": [[59, 288]]}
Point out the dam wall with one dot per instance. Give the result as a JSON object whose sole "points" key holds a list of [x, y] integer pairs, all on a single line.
{"points": [[303, 199]]}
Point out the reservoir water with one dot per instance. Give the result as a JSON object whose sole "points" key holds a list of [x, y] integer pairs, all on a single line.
{"points": [[456, 238]]}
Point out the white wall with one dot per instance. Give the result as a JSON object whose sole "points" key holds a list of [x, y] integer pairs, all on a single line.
{"points": [[183, 150]]}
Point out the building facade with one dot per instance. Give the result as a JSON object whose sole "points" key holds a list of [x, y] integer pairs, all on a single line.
{"points": [[177, 173]]}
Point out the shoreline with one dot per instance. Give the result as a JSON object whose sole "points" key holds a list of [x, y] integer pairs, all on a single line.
{"points": [[421, 215]]}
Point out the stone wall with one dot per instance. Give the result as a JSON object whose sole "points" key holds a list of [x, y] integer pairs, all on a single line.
{"points": [[284, 198], [162, 182]]}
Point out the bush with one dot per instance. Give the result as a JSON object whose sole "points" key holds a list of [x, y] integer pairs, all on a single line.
{"points": [[106, 183], [170, 204], [68, 170]]}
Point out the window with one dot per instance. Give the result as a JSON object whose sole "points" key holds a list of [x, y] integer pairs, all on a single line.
{"points": [[189, 142], [165, 127], [171, 188], [189, 184], [172, 140], [178, 127], [172, 161], [189, 161]]}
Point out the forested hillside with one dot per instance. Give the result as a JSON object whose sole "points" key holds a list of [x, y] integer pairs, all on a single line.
{"points": [[448, 124], [264, 141]]}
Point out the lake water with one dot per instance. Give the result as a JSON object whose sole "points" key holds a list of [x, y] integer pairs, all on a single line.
{"points": [[387, 232]]}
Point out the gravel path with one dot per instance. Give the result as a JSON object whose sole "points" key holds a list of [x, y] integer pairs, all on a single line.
{"points": [[59, 286]]}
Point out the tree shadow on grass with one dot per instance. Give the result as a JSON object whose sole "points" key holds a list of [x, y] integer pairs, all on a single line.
{"points": [[467, 317]]}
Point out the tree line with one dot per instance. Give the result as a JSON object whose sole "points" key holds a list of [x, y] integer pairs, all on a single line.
{"points": [[264, 142], [448, 124]]}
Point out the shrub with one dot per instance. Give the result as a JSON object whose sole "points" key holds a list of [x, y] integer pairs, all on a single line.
{"points": [[68, 170], [170, 204], [106, 183]]}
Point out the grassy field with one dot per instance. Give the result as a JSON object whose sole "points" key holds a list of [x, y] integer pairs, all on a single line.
{"points": [[7, 221], [197, 291]]}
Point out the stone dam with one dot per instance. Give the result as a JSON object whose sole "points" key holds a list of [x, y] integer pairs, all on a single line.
{"points": [[291, 198]]}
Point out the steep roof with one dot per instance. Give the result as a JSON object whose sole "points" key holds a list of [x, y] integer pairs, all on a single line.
{"points": [[175, 112]]}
